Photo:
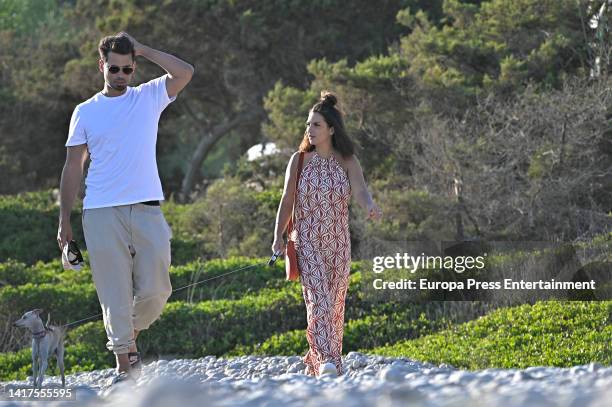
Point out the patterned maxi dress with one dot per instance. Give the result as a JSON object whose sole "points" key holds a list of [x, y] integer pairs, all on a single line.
{"points": [[323, 249]]}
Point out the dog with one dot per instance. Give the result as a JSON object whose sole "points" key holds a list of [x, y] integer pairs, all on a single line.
{"points": [[46, 340]]}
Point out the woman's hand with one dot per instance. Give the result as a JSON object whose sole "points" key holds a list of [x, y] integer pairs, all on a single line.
{"points": [[374, 212], [278, 246]]}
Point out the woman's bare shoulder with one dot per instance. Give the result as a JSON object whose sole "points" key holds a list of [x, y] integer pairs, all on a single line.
{"points": [[348, 163], [307, 157]]}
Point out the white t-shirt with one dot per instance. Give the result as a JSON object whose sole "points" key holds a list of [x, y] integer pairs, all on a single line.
{"points": [[121, 133]]}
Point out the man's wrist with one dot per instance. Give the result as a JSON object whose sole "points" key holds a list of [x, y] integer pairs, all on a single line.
{"points": [[143, 51]]}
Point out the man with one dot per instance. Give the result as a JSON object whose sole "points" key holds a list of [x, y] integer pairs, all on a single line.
{"points": [[126, 234]]}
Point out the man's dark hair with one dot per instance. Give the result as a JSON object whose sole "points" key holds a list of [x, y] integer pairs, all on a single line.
{"points": [[118, 44]]}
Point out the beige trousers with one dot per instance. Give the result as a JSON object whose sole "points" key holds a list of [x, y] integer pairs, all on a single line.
{"points": [[129, 253]]}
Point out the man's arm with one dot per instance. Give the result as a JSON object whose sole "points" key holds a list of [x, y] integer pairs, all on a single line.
{"points": [[179, 71], [72, 174]]}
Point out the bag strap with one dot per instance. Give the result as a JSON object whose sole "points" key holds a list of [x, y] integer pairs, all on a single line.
{"points": [[297, 179]]}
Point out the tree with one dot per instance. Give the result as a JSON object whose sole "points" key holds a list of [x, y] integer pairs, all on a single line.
{"points": [[600, 43], [425, 116], [529, 167], [239, 49], [35, 40]]}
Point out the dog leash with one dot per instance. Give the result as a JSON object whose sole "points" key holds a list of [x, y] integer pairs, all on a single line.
{"points": [[269, 263]]}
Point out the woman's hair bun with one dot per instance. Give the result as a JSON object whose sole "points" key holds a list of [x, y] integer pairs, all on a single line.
{"points": [[328, 98]]}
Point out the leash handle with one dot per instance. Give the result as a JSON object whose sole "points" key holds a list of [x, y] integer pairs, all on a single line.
{"points": [[272, 260]]}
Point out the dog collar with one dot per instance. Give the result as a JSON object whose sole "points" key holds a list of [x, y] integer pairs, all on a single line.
{"points": [[40, 334]]}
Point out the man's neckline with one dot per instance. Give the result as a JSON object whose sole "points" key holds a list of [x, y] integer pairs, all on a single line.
{"points": [[127, 90]]}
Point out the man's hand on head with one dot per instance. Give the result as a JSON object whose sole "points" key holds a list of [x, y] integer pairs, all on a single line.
{"points": [[137, 45], [179, 71]]}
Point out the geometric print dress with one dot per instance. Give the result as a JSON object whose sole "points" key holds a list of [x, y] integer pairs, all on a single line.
{"points": [[323, 248]]}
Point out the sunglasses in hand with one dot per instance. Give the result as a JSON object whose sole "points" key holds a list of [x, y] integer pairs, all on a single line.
{"points": [[73, 254], [115, 69]]}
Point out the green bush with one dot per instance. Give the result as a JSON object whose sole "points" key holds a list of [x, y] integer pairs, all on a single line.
{"points": [[77, 358], [185, 250], [29, 227], [192, 330], [382, 325], [244, 278], [65, 296], [286, 343], [256, 312], [550, 333], [16, 366], [29, 224], [249, 229], [16, 273], [215, 327], [64, 293], [65, 303]]}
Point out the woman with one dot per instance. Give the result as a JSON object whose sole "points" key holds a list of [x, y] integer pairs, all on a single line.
{"points": [[330, 173]]}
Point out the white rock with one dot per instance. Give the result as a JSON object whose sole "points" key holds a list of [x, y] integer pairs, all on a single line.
{"points": [[392, 374], [293, 359], [522, 376], [369, 380], [593, 367]]}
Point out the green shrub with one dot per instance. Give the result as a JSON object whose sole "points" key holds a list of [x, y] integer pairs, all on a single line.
{"points": [[192, 330], [550, 333], [64, 293], [384, 324], [286, 343], [228, 278], [16, 273], [77, 358], [66, 302], [29, 224], [29, 227], [16, 366], [249, 229], [215, 327], [185, 250], [85, 351]]}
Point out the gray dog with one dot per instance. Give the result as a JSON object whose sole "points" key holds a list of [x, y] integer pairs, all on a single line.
{"points": [[46, 340]]}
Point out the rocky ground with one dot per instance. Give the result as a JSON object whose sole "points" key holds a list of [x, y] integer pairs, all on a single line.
{"points": [[369, 380]]}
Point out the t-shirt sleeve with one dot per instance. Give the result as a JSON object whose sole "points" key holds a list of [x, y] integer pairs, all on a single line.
{"points": [[76, 132], [156, 88]]}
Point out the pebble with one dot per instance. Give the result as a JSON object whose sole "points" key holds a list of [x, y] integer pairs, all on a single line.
{"points": [[368, 380]]}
